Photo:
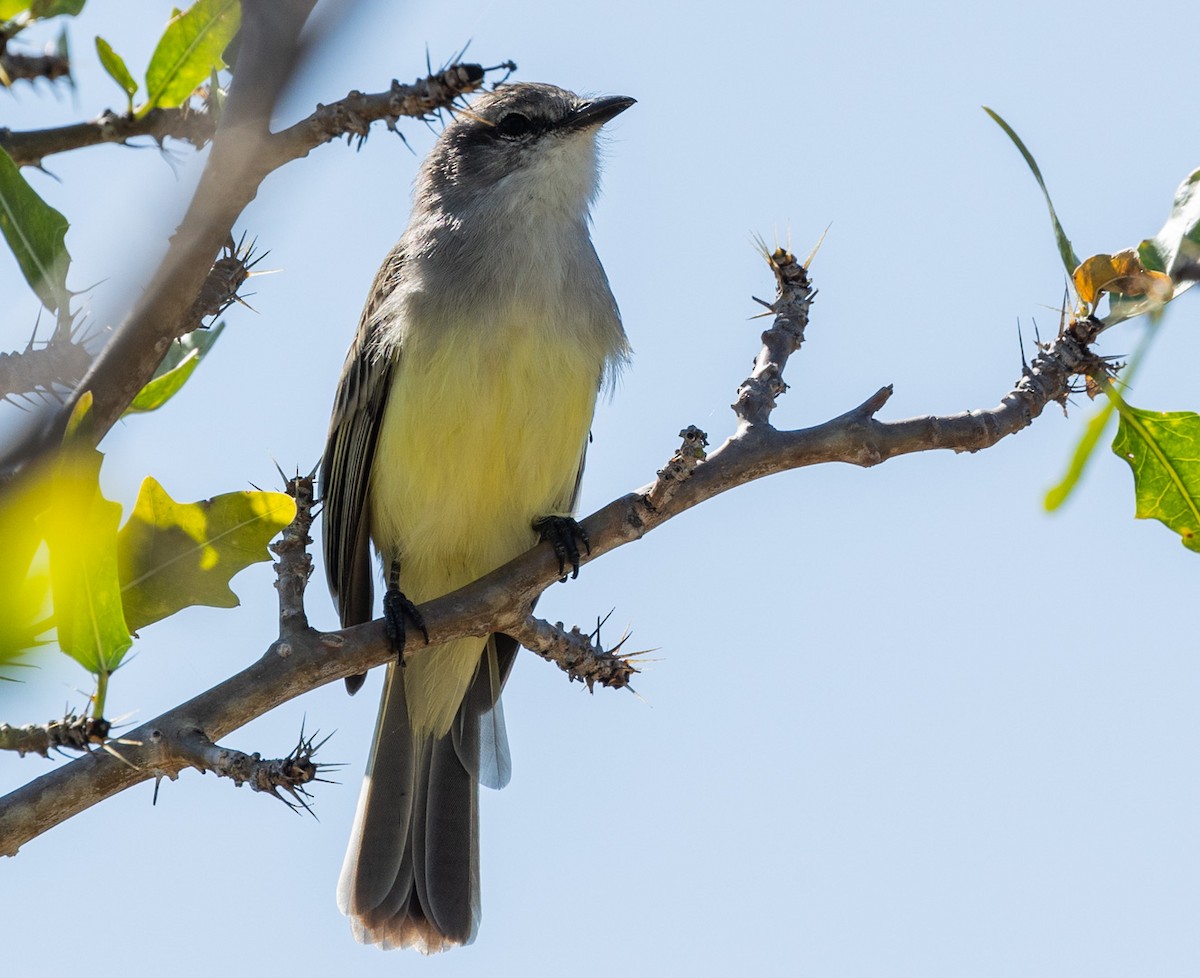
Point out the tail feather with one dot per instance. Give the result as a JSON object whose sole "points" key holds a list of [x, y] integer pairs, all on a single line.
{"points": [[376, 854], [411, 874], [447, 876]]}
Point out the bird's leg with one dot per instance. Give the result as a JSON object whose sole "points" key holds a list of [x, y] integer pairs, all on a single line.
{"points": [[565, 536], [395, 607]]}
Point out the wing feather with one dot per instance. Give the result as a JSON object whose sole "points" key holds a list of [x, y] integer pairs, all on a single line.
{"points": [[349, 451]]}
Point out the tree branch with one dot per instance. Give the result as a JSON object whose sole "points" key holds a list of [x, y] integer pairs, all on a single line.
{"points": [[276, 777], [187, 123], [58, 364], [72, 732], [15, 66], [303, 659], [350, 116]]}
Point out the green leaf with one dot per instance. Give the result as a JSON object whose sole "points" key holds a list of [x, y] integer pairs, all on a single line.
{"points": [[24, 574], [36, 233], [80, 527], [43, 9], [1176, 246], [1092, 433], [177, 366], [1065, 251], [114, 64], [161, 389], [188, 51], [1163, 449], [10, 8], [174, 555]]}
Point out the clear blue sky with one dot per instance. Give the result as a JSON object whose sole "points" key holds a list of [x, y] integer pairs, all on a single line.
{"points": [[899, 721]]}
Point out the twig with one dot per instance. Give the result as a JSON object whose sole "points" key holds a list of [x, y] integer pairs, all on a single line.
{"points": [[353, 115], [793, 297], [58, 364], [72, 732], [680, 468], [220, 289], [276, 776], [350, 116], [574, 653], [295, 566], [15, 66], [190, 124]]}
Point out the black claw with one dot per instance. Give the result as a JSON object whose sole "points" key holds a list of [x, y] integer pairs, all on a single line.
{"points": [[396, 607], [565, 536]]}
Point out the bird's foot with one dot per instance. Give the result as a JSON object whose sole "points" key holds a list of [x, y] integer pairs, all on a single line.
{"points": [[396, 607], [565, 536]]}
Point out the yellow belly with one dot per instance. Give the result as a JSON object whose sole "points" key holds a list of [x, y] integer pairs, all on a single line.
{"points": [[483, 433]]}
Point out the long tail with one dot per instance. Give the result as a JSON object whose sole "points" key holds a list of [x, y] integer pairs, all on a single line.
{"points": [[411, 874]]}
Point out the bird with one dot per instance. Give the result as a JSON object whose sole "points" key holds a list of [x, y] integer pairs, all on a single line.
{"points": [[458, 436]]}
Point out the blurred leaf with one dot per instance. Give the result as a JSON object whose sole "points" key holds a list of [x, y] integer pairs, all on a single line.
{"points": [[1123, 273], [1178, 242], [1175, 251], [1092, 433], [174, 555], [43, 9], [80, 527], [189, 50], [177, 366], [161, 389], [114, 64], [1163, 449], [1065, 251], [24, 578], [36, 233], [10, 8]]}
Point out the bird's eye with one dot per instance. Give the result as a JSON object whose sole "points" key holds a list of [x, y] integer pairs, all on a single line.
{"points": [[514, 124]]}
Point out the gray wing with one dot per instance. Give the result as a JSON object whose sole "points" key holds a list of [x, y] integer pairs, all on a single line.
{"points": [[349, 451]]}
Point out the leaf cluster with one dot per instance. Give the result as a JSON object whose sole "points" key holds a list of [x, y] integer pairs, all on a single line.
{"points": [[1161, 447], [69, 569]]}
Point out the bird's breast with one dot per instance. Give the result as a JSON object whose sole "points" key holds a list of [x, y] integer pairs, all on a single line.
{"points": [[483, 432]]}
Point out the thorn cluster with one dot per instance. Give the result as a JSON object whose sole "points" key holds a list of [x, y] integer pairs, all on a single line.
{"points": [[220, 289], [72, 732]]}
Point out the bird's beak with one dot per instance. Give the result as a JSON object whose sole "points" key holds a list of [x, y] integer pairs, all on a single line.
{"points": [[597, 112]]}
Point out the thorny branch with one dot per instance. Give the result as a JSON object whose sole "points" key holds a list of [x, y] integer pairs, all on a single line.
{"points": [[277, 777], [18, 66], [220, 290], [575, 653], [190, 124], [195, 124], [756, 397], [57, 364], [295, 566], [72, 732], [499, 602]]}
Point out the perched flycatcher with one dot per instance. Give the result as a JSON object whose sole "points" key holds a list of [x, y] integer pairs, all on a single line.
{"points": [[461, 419]]}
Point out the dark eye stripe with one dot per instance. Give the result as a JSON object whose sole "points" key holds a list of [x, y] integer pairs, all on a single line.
{"points": [[515, 124]]}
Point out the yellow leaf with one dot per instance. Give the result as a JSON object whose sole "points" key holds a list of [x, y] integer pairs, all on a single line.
{"points": [[1122, 272], [173, 555]]}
